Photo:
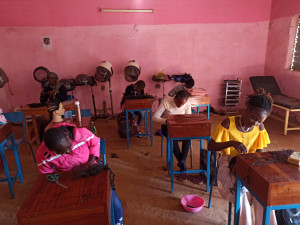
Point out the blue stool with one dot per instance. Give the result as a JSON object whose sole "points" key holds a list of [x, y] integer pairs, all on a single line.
{"points": [[10, 180], [170, 160]]}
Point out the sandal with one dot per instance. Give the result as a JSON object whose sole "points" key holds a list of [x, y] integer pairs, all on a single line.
{"points": [[181, 177], [196, 179]]}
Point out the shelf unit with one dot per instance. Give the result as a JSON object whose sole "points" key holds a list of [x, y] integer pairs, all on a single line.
{"points": [[232, 94]]}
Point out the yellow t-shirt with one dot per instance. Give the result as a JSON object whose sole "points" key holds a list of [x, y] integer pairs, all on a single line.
{"points": [[253, 140]]}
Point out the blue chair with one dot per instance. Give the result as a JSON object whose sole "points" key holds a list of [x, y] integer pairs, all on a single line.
{"points": [[84, 113], [18, 117], [103, 150], [10, 180], [198, 109]]}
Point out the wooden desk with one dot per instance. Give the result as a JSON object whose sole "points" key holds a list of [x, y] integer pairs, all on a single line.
{"points": [[274, 183], [142, 105], [86, 201], [85, 122], [187, 127], [28, 111]]}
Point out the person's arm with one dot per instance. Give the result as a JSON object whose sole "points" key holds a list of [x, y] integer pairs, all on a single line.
{"points": [[172, 93], [93, 143], [158, 113], [219, 146], [188, 109], [176, 89], [126, 93], [44, 167], [62, 94]]}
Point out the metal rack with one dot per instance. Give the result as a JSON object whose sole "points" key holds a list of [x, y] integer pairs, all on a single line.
{"points": [[232, 94]]}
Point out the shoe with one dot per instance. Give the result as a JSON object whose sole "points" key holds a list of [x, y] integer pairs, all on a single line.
{"points": [[140, 132], [196, 179], [182, 166], [181, 177]]}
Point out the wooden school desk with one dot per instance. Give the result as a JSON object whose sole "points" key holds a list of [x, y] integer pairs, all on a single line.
{"points": [[273, 182], [29, 111], [187, 127], [141, 105], [86, 201]]}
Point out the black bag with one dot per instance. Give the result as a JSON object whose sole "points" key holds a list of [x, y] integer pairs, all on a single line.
{"points": [[122, 125], [288, 216], [213, 169]]}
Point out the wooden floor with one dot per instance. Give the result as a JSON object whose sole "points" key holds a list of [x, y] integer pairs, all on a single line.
{"points": [[141, 180]]}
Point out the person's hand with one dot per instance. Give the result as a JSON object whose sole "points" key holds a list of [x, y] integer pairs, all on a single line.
{"points": [[240, 147], [91, 160]]}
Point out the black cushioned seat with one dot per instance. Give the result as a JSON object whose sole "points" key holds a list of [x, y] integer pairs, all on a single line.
{"points": [[270, 85]]}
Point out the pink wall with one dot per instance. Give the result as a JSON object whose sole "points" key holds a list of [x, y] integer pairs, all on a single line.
{"points": [[86, 13], [278, 46], [211, 41], [284, 8]]}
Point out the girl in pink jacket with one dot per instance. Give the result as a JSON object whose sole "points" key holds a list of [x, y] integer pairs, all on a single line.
{"points": [[78, 147], [66, 146]]}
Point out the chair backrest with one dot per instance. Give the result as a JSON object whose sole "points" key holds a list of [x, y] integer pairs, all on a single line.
{"points": [[84, 113], [266, 82], [16, 117], [102, 146]]}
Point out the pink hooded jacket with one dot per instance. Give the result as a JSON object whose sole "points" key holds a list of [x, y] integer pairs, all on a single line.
{"points": [[85, 143]]}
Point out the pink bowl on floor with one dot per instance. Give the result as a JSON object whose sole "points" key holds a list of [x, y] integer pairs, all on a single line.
{"points": [[192, 203]]}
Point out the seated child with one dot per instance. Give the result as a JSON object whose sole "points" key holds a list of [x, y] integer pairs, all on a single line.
{"points": [[64, 147], [242, 135], [136, 89], [175, 105]]}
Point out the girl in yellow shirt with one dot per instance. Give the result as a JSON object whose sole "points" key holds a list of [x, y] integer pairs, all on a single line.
{"points": [[241, 135]]}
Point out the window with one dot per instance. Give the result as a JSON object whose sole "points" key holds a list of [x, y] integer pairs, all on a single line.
{"points": [[295, 65]]}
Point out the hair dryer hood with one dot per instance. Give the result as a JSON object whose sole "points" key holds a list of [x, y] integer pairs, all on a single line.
{"points": [[104, 71], [132, 71]]}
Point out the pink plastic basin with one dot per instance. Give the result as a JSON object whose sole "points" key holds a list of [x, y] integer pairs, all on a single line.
{"points": [[192, 203]]}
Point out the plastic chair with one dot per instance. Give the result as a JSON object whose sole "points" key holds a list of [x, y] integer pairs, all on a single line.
{"points": [[18, 117], [11, 180], [84, 113]]}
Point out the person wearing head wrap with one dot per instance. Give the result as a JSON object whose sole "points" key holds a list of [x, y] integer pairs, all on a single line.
{"points": [[53, 89]]}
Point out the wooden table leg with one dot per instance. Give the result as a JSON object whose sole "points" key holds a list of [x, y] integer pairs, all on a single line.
{"points": [[27, 130], [286, 122], [35, 128]]}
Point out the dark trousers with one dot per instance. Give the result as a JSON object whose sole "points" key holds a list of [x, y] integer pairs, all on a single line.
{"points": [[180, 156]]}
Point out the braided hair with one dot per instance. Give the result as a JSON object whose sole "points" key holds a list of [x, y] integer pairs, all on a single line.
{"points": [[182, 94], [260, 99], [53, 137]]}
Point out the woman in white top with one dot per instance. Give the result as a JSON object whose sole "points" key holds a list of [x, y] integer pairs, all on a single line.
{"points": [[175, 105]]}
